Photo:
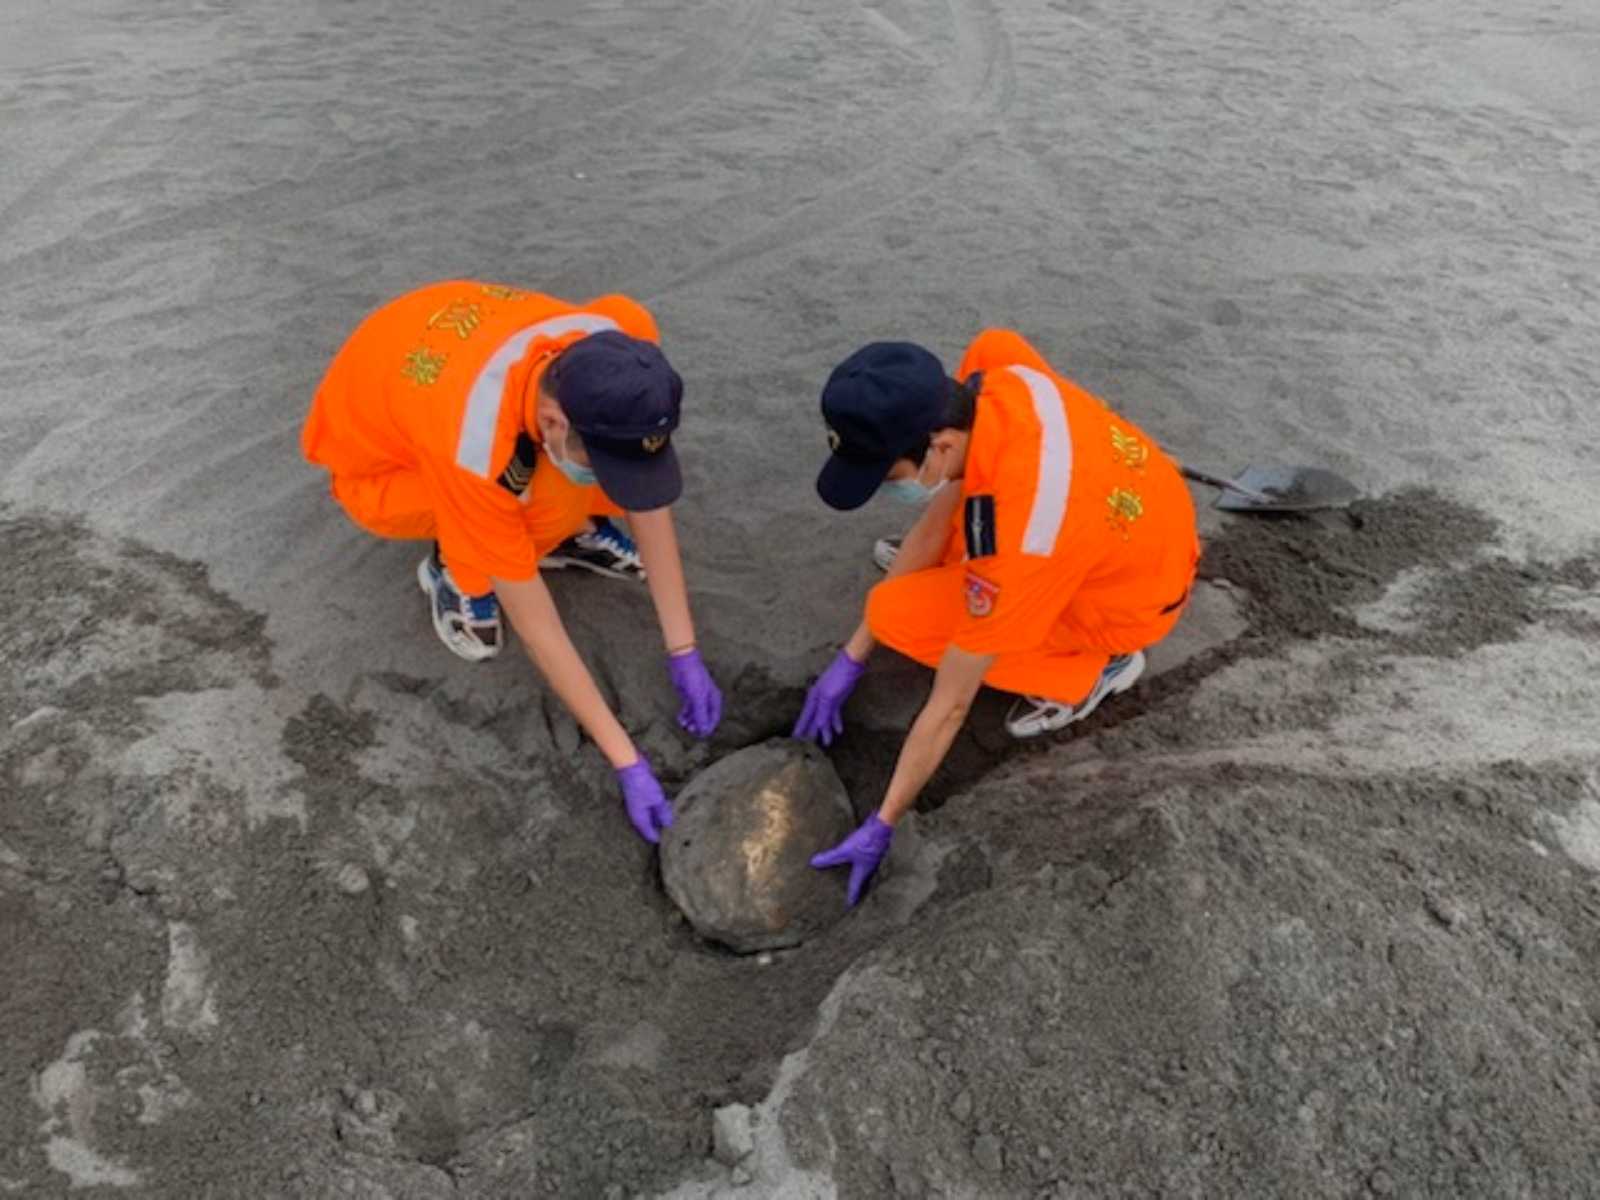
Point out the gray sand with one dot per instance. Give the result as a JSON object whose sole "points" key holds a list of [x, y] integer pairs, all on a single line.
{"points": [[295, 904]]}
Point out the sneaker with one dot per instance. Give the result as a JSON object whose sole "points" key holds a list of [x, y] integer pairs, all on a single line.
{"points": [[885, 551], [468, 625], [1032, 715], [606, 550]]}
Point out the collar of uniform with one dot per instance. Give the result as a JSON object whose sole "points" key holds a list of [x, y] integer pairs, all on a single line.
{"points": [[997, 398]]}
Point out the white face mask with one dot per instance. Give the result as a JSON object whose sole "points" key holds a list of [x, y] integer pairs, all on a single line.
{"points": [[913, 490]]}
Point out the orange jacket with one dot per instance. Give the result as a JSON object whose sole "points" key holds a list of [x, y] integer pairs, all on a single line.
{"points": [[441, 382], [1075, 527]]}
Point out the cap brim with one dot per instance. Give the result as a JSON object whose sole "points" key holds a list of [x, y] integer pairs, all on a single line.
{"points": [[638, 484], [847, 483]]}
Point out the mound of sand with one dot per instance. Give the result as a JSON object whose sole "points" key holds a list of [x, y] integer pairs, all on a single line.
{"points": [[1227, 984]]}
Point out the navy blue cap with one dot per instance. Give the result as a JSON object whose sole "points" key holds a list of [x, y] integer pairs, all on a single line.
{"points": [[623, 398], [880, 405]]}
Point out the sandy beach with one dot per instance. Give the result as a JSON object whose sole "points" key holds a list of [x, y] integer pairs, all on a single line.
{"points": [[294, 903]]}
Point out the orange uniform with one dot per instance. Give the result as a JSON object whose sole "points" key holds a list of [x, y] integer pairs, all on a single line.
{"points": [[1075, 540], [419, 418]]}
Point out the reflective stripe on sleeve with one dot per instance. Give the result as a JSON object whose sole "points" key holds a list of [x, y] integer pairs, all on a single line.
{"points": [[478, 424], [1055, 463]]}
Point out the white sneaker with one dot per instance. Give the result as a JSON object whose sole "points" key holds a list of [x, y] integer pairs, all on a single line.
{"points": [[469, 626], [1032, 715], [885, 551]]}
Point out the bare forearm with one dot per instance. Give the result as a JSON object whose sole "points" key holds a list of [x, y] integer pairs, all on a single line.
{"points": [[954, 685], [924, 542], [657, 539], [930, 738], [861, 643]]}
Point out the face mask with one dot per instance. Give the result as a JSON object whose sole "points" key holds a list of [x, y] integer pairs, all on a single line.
{"points": [[582, 476], [909, 491], [913, 490]]}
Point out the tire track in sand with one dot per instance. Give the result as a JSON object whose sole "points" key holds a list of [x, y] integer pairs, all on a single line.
{"points": [[42, 191], [981, 75], [719, 45]]}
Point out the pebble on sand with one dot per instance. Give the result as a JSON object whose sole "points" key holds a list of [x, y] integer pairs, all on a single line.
{"points": [[961, 1107], [731, 1137], [986, 1153]]}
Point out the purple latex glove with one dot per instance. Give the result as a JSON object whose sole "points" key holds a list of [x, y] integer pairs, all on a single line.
{"points": [[822, 718], [863, 850], [647, 805], [702, 699]]}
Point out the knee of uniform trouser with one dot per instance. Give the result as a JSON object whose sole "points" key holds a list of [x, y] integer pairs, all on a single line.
{"points": [[470, 580], [1064, 677], [602, 505], [885, 608], [545, 535], [390, 506], [905, 613]]}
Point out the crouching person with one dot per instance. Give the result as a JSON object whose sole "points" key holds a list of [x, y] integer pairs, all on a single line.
{"points": [[505, 426]]}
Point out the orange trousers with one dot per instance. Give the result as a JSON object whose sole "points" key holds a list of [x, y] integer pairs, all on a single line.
{"points": [[918, 614], [396, 504]]}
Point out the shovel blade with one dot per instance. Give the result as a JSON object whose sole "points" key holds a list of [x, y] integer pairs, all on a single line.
{"points": [[1289, 489]]}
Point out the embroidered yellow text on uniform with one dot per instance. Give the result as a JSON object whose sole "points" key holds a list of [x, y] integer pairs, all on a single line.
{"points": [[1124, 507], [500, 292], [422, 366], [459, 317], [1128, 450]]}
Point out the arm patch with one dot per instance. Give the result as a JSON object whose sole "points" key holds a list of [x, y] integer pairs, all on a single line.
{"points": [[980, 527], [519, 471]]}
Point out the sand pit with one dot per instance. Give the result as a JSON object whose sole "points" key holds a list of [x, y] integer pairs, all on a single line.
{"points": [[295, 904]]}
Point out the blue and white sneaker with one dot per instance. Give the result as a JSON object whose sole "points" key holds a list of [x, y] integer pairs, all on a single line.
{"points": [[469, 625], [605, 550], [1032, 715]]}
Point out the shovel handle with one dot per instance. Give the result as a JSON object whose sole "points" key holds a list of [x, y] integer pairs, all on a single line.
{"points": [[1226, 485]]}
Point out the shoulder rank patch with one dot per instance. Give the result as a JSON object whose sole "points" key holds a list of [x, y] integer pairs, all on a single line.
{"points": [[980, 527], [519, 471], [981, 594]]}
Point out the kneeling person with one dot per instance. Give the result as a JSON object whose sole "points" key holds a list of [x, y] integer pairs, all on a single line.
{"points": [[1058, 542], [500, 424]]}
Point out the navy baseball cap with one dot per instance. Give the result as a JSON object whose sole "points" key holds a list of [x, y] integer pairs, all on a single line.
{"points": [[623, 398], [880, 405]]}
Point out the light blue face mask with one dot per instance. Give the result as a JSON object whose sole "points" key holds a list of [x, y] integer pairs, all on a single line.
{"points": [[911, 491], [582, 476]]}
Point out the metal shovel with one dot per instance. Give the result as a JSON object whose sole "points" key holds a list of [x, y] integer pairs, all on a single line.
{"points": [[1278, 489]]}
